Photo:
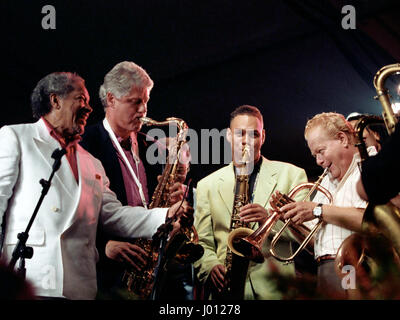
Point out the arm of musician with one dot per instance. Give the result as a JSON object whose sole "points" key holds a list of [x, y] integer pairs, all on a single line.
{"points": [[346, 217], [204, 226], [126, 252], [361, 191], [9, 166]]}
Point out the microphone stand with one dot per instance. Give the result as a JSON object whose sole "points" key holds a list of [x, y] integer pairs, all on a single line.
{"points": [[162, 236], [21, 251]]}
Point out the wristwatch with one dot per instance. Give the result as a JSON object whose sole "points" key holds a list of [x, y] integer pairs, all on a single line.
{"points": [[317, 211]]}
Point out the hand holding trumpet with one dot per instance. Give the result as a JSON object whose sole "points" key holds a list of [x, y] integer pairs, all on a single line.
{"points": [[298, 212]]}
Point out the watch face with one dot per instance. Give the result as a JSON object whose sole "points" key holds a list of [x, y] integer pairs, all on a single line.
{"points": [[317, 211]]}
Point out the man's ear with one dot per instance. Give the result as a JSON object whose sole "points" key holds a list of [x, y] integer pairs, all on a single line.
{"points": [[229, 135], [110, 100], [344, 139], [376, 136], [54, 101], [263, 137]]}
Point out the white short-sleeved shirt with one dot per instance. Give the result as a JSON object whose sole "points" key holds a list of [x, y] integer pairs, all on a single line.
{"points": [[329, 237]]}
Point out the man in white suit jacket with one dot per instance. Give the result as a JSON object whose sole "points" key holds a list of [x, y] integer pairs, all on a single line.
{"points": [[64, 231]]}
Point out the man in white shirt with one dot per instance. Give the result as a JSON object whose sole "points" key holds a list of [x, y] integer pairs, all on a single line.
{"points": [[331, 141]]}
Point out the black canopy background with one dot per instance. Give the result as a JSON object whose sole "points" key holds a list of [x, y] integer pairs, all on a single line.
{"points": [[292, 59]]}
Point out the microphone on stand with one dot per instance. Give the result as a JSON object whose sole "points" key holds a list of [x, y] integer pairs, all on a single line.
{"points": [[57, 155], [21, 251]]}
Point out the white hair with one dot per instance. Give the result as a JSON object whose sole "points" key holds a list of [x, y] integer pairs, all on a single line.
{"points": [[121, 78]]}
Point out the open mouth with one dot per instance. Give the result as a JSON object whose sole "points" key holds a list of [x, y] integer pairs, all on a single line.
{"points": [[81, 120], [82, 117]]}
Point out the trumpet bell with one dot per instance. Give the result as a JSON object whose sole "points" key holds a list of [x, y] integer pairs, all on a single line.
{"points": [[248, 243], [250, 249]]}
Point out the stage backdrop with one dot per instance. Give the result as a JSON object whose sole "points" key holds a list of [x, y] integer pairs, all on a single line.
{"points": [[291, 59]]}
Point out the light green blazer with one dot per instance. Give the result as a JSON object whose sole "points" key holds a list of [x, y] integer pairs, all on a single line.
{"points": [[214, 203]]}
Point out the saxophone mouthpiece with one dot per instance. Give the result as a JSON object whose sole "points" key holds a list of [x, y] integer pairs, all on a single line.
{"points": [[145, 120], [246, 154]]}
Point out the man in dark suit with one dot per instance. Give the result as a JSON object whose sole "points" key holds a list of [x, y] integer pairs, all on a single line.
{"points": [[118, 143]]}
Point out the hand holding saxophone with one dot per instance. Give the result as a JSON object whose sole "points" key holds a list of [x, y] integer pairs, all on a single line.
{"points": [[217, 277], [179, 214], [175, 192], [126, 252], [179, 210], [253, 212]]}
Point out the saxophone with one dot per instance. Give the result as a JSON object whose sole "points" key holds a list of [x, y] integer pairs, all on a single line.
{"points": [[235, 265], [186, 249]]}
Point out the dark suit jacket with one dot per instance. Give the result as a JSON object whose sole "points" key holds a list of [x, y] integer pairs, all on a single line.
{"points": [[97, 141], [380, 174]]}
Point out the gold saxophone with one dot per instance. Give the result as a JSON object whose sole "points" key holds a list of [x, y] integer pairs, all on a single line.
{"points": [[183, 245], [375, 251], [235, 265]]}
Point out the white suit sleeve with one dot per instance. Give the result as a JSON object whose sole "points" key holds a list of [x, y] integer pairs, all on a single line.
{"points": [[10, 155], [127, 221]]}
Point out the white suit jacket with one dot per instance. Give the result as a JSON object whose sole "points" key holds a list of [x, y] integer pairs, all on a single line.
{"points": [[63, 235]]}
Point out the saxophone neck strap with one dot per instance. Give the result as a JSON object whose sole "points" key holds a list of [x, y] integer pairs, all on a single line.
{"points": [[125, 159]]}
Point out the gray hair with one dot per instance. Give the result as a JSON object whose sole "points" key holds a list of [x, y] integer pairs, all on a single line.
{"points": [[59, 83], [121, 78]]}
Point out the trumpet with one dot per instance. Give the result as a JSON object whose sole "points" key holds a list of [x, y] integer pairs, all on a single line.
{"points": [[308, 235], [245, 242]]}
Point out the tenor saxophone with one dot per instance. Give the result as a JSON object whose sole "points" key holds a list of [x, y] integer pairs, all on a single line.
{"points": [[185, 241], [236, 266]]}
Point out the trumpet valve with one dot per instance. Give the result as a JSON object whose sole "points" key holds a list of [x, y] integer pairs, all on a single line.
{"points": [[279, 200]]}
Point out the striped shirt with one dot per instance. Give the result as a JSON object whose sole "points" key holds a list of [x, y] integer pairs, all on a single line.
{"points": [[329, 237]]}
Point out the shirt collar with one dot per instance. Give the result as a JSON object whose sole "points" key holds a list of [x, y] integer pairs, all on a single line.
{"points": [[58, 137]]}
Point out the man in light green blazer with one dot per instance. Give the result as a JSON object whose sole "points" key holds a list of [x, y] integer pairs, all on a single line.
{"points": [[214, 204]]}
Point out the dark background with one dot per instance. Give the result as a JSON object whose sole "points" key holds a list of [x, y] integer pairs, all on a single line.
{"points": [[292, 59]]}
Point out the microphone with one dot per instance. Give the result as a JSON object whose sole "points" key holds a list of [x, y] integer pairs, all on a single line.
{"points": [[57, 155]]}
